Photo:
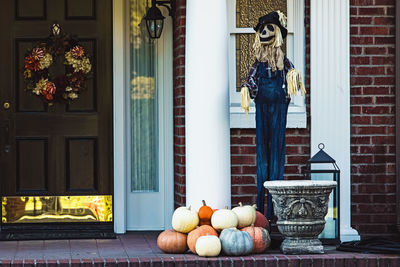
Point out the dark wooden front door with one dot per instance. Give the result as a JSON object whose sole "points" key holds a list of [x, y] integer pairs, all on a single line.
{"points": [[65, 149]]}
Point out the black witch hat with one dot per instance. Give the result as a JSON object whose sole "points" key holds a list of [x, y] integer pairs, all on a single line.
{"points": [[272, 18]]}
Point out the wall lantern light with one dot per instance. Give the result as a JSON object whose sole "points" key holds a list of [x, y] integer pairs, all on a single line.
{"points": [[323, 167], [155, 19]]}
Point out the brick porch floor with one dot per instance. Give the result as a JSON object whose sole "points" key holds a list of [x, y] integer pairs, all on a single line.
{"points": [[140, 249]]}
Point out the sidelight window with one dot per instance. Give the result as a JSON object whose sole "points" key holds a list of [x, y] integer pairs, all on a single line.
{"points": [[143, 103]]}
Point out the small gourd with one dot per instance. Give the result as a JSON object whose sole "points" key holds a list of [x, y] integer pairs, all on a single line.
{"points": [[184, 219], [246, 215], [197, 233], [205, 213], [235, 242], [171, 241], [261, 221], [208, 246], [260, 236], [224, 218]]}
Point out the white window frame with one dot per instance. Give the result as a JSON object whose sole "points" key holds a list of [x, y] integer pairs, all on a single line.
{"points": [[295, 41]]}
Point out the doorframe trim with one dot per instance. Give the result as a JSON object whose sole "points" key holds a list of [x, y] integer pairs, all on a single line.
{"points": [[397, 67], [119, 116]]}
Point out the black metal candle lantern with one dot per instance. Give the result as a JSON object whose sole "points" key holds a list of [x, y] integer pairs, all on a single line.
{"points": [[323, 167], [155, 19]]}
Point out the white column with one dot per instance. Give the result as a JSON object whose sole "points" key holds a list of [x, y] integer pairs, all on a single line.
{"points": [[330, 94], [207, 104]]}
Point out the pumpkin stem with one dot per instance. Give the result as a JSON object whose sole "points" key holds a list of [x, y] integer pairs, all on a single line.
{"points": [[255, 206], [240, 204], [190, 207], [204, 203], [226, 207]]}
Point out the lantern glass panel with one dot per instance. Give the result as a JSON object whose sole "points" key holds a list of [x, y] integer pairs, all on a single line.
{"points": [[159, 27], [331, 229], [155, 27]]}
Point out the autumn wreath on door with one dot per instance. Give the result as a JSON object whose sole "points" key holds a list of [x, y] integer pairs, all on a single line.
{"points": [[42, 72]]}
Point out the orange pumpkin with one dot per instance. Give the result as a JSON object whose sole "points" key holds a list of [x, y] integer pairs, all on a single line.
{"points": [[261, 221], [198, 232], [260, 236], [171, 241], [205, 213]]}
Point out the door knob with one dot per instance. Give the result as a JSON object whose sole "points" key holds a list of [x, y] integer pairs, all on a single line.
{"points": [[6, 105]]}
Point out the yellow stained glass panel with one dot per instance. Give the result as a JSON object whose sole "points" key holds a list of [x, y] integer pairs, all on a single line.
{"points": [[244, 57], [49, 209], [248, 11]]}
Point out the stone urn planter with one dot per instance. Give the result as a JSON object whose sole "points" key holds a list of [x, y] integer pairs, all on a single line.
{"points": [[301, 207]]}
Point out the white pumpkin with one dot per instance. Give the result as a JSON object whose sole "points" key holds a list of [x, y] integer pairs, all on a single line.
{"points": [[246, 215], [208, 246], [184, 219], [224, 218]]}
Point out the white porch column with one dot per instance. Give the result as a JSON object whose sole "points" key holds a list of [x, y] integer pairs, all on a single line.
{"points": [[330, 94], [207, 104]]}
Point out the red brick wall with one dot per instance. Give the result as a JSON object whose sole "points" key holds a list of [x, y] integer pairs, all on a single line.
{"points": [[243, 146], [373, 116], [179, 103]]}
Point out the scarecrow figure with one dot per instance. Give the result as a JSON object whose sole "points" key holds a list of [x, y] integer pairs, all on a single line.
{"points": [[271, 81]]}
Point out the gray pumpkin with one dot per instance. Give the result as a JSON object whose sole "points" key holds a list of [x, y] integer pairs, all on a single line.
{"points": [[235, 242]]}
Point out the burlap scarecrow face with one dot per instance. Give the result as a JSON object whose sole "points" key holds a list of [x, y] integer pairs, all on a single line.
{"points": [[271, 29], [269, 33]]}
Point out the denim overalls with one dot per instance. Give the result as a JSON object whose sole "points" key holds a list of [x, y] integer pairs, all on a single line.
{"points": [[272, 104]]}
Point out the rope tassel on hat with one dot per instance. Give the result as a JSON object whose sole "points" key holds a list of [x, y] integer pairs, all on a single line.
{"points": [[295, 83]]}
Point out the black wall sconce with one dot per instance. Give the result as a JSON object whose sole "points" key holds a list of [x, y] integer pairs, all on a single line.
{"points": [[155, 19]]}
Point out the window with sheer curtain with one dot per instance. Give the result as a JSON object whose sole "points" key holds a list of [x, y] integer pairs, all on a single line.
{"points": [[143, 103]]}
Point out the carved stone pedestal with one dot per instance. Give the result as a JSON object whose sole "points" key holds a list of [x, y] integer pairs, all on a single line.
{"points": [[301, 207]]}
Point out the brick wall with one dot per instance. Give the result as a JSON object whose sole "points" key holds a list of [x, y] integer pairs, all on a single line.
{"points": [[179, 103], [243, 146], [373, 116]]}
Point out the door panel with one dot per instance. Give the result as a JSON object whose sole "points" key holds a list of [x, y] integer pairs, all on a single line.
{"points": [[30, 9], [65, 149], [81, 165], [32, 172]]}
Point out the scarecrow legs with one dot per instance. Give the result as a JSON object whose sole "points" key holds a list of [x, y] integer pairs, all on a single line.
{"points": [[270, 135]]}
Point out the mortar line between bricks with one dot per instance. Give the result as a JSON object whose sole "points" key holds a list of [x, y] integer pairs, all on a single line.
{"points": [[70, 253], [97, 249], [16, 251], [123, 246]]}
